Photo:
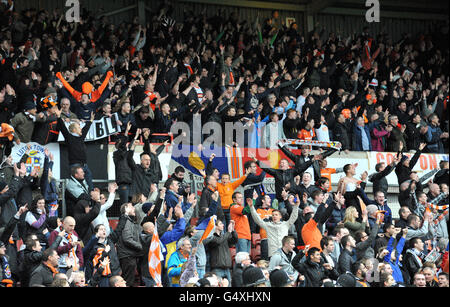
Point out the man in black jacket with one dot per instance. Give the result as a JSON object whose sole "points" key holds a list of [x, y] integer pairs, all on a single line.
{"points": [[148, 171], [305, 160], [346, 261], [219, 248], [379, 178], [76, 147], [404, 168], [124, 175], [341, 132], [84, 212]]}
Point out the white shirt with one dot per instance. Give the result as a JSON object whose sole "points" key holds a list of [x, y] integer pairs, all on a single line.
{"points": [[300, 102], [101, 217], [323, 133]]}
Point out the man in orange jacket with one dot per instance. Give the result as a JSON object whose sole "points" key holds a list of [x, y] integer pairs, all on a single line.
{"points": [[239, 211], [226, 189], [87, 88]]}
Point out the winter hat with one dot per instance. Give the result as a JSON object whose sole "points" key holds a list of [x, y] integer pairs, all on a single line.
{"points": [[29, 105], [253, 276], [2, 244], [87, 88], [346, 280], [49, 91], [279, 278], [374, 82]]}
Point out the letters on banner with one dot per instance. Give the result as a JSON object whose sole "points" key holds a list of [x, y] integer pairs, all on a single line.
{"points": [[100, 129]]}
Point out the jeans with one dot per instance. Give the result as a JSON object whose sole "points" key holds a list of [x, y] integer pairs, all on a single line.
{"points": [[124, 193], [226, 213], [87, 174], [223, 273], [243, 245]]}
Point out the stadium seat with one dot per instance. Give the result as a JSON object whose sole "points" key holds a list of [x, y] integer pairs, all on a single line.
{"points": [[255, 253], [256, 239], [233, 254]]}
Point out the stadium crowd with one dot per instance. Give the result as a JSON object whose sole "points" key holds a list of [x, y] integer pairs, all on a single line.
{"points": [[367, 92]]}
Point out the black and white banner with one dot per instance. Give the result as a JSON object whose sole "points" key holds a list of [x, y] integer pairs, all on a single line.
{"points": [[99, 129]]}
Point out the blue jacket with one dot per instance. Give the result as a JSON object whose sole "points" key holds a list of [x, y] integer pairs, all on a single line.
{"points": [[385, 207], [172, 200], [357, 138], [396, 272], [174, 265], [169, 239]]}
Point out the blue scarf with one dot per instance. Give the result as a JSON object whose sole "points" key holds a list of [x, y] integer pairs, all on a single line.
{"points": [[5, 268]]}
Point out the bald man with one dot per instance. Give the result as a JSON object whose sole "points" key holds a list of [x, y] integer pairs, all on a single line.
{"points": [[69, 250]]}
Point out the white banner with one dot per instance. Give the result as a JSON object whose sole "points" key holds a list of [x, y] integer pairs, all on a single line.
{"points": [[36, 156], [426, 163], [99, 129]]}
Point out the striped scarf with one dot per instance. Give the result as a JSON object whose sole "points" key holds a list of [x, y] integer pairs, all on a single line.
{"points": [[6, 273], [440, 217], [99, 255]]}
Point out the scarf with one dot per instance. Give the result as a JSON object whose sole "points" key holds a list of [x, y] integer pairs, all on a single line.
{"points": [[189, 68], [99, 255], [71, 253], [231, 77], [6, 272], [52, 268]]}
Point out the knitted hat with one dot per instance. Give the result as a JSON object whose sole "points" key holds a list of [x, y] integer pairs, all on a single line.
{"points": [[2, 244], [252, 276], [279, 278], [29, 105], [48, 102], [346, 280]]}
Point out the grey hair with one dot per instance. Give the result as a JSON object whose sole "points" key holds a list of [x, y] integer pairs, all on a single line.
{"points": [[241, 256]]}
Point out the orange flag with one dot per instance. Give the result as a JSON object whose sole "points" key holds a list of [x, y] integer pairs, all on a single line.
{"points": [[154, 258], [209, 228]]}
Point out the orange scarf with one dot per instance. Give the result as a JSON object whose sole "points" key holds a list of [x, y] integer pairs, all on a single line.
{"points": [[52, 268], [97, 257]]}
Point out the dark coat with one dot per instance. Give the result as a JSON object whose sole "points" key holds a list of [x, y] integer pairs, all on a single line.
{"points": [[314, 273], [220, 257], [143, 178], [124, 174], [341, 134], [31, 261], [42, 275], [84, 220]]}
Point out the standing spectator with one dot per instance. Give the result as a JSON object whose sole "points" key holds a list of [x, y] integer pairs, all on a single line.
{"points": [[74, 137], [105, 204], [276, 229], [84, 213], [361, 140], [314, 269], [177, 260], [69, 250], [283, 258], [395, 142], [123, 170], [346, 261], [238, 213], [435, 135], [23, 123], [129, 246], [219, 249], [44, 274]]}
